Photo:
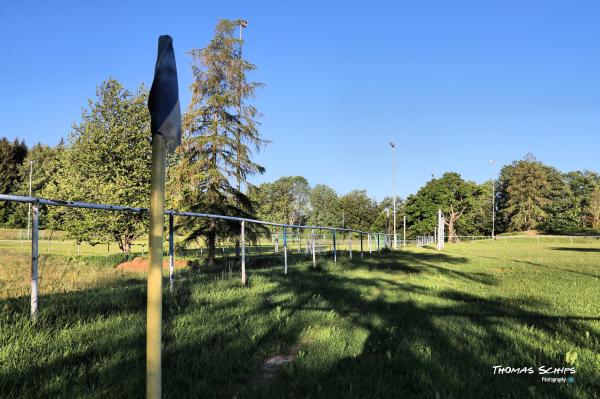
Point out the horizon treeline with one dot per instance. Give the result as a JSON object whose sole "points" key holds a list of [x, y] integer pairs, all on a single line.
{"points": [[529, 195]]}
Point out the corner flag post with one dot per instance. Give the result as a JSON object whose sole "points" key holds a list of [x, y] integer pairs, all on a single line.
{"points": [[165, 113]]}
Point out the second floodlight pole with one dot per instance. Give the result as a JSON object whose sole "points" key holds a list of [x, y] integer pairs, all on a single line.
{"points": [[393, 145]]}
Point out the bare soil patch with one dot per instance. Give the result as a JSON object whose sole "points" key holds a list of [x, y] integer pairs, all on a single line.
{"points": [[141, 264]]}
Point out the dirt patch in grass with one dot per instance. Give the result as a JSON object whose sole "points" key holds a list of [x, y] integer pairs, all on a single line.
{"points": [[273, 365], [141, 264]]}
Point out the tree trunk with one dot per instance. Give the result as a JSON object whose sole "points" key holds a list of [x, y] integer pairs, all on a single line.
{"points": [[451, 233], [124, 243], [452, 237]]}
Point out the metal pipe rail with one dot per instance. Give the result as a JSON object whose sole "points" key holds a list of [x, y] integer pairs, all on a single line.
{"points": [[36, 202], [119, 208]]}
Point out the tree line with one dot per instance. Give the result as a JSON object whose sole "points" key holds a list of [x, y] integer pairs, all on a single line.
{"points": [[106, 159]]}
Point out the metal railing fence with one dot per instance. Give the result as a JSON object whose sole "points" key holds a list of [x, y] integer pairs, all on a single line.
{"points": [[310, 241]]}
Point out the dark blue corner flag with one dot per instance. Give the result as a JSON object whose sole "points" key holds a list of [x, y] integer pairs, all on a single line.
{"points": [[163, 102]]}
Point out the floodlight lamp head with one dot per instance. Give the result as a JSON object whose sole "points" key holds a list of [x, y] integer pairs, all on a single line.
{"points": [[243, 23], [392, 144]]}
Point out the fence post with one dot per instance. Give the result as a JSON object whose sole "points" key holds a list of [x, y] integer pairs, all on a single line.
{"points": [[243, 242], [350, 244], [334, 249], [284, 250], [378, 247], [361, 245], [441, 233], [277, 241], [369, 238], [34, 263], [404, 234], [313, 248], [171, 253], [299, 242]]}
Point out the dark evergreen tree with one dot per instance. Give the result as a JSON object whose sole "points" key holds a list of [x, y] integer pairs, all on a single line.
{"points": [[220, 133], [12, 156]]}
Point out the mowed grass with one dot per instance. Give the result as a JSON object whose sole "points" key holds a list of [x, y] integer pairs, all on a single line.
{"points": [[413, 324]]}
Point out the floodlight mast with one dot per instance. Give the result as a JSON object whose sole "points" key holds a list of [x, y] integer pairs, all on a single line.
{"points": [[243, 24], [393, 145], [493, 162]]}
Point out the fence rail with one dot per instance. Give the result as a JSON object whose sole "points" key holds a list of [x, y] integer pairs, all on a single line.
{"points": [[310, 241]]}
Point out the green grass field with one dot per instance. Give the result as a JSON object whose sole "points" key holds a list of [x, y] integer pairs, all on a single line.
{"points": [[414, 324]]}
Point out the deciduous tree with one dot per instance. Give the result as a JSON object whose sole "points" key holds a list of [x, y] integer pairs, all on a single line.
{"points": [[324, 206], [286, 200], [359, 210], [450, 193], [107, 160]]}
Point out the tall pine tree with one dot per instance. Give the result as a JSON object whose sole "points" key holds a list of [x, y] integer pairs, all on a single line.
{"points": [[220, 134]]}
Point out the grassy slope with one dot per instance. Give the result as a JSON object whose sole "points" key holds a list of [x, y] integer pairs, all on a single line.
{"points": [[413, 324]]}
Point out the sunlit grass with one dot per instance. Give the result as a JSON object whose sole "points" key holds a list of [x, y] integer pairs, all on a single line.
{"points": [[414, 324]]}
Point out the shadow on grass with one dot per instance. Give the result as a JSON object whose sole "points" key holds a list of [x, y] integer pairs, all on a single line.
{"points": [[425, 343], [525, 262], [409, 262], [445, 346], [575, 249], [95, 339]]}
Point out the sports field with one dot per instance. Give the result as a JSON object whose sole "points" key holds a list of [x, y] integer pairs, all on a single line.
{"points": [[417, 323]]}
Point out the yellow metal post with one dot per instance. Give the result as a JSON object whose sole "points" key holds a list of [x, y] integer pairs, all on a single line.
{"points": [[155, 255]]}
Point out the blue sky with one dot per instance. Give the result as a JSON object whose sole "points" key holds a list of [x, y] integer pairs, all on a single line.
{"points": [[455, 84]]}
